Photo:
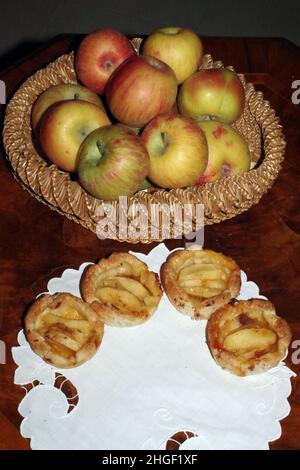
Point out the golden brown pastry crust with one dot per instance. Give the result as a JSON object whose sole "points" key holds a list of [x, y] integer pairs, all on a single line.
{"points": [[63, 330], [271, 334], [111, 285], [198, 307]]}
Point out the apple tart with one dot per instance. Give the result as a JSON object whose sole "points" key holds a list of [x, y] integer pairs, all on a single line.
{"points": [[199, 281], [121, 290], [247, 337], [63, 330]]}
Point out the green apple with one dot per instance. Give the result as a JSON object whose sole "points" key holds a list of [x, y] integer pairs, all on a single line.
{"points": [[112, 162]]}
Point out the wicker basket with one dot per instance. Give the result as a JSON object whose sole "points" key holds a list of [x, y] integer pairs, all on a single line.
{"points": [[222, 200]]}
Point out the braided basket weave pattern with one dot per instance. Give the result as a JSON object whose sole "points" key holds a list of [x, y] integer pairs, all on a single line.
{"points": [[222, 199]]}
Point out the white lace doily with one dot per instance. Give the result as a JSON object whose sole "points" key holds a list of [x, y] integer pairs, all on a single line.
{"points": [[147, 383]]}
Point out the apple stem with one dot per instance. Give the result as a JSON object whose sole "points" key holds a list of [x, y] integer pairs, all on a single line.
{"points": [[108, 65], [101, 148], [76, 96], [164, 140]]}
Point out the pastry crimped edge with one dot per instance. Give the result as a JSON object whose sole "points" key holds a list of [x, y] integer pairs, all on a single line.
{"points": [[227, 359], [184, 302], [39, 345], [109, 314]]}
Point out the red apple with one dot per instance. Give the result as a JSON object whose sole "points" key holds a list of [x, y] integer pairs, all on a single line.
{"points": [[228, 153], [180, 48], [177, 150], [64, 91], [64, 126], [141, 88], [217, 93], [99, 54], [112, 162]]}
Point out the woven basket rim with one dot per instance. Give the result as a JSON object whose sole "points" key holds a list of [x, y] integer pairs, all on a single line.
{"points": [[222, 199]]}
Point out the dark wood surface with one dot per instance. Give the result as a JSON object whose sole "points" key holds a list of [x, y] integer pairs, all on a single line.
{"points": [[37, 244]]}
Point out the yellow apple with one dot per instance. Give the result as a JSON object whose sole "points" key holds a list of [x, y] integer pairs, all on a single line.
{"points": [[177, 151], [228, 153], [63, 128], [217, 93], [61, 92], [180, 48]]}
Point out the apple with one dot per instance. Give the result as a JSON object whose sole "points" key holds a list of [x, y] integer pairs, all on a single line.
{"points": [[180, 48], [174, 109], [146, 184], [228, 153], [61, 92], [98, 55], [141, 88], [64, 126], [177, 150], [217, 93], [112, 162]]}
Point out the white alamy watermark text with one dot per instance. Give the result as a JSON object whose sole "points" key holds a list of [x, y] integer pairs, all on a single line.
{"points": [[2, 92], [296, 94], [139, 221]]}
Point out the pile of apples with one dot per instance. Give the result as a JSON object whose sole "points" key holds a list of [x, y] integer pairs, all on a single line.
{"points": [[161, 122]]}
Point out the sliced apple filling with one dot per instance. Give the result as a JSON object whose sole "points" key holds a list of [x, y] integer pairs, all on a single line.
{"points": [[247, 336], [204, 280], [63, 330], [250, 339], [121, 289], [198, 282]]}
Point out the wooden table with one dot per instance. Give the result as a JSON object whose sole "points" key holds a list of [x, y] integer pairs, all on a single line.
{"points": [[37, 244]]}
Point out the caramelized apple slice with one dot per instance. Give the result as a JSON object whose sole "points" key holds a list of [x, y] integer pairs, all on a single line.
{"points": [[202, 271], [151, 300], [126, 283], [123, 269], [186, 263], [51, 319], [186, 283], [60, 349], [189, 272], [200, 291], [121, 299], [215, 284], [66, 311], [149, 280], [64, 336], [250, 339]]}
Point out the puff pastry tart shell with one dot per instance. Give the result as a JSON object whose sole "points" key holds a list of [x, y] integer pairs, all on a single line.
{"points": [[198, 282], [63, 330], [121, 290], [247, 337]]}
